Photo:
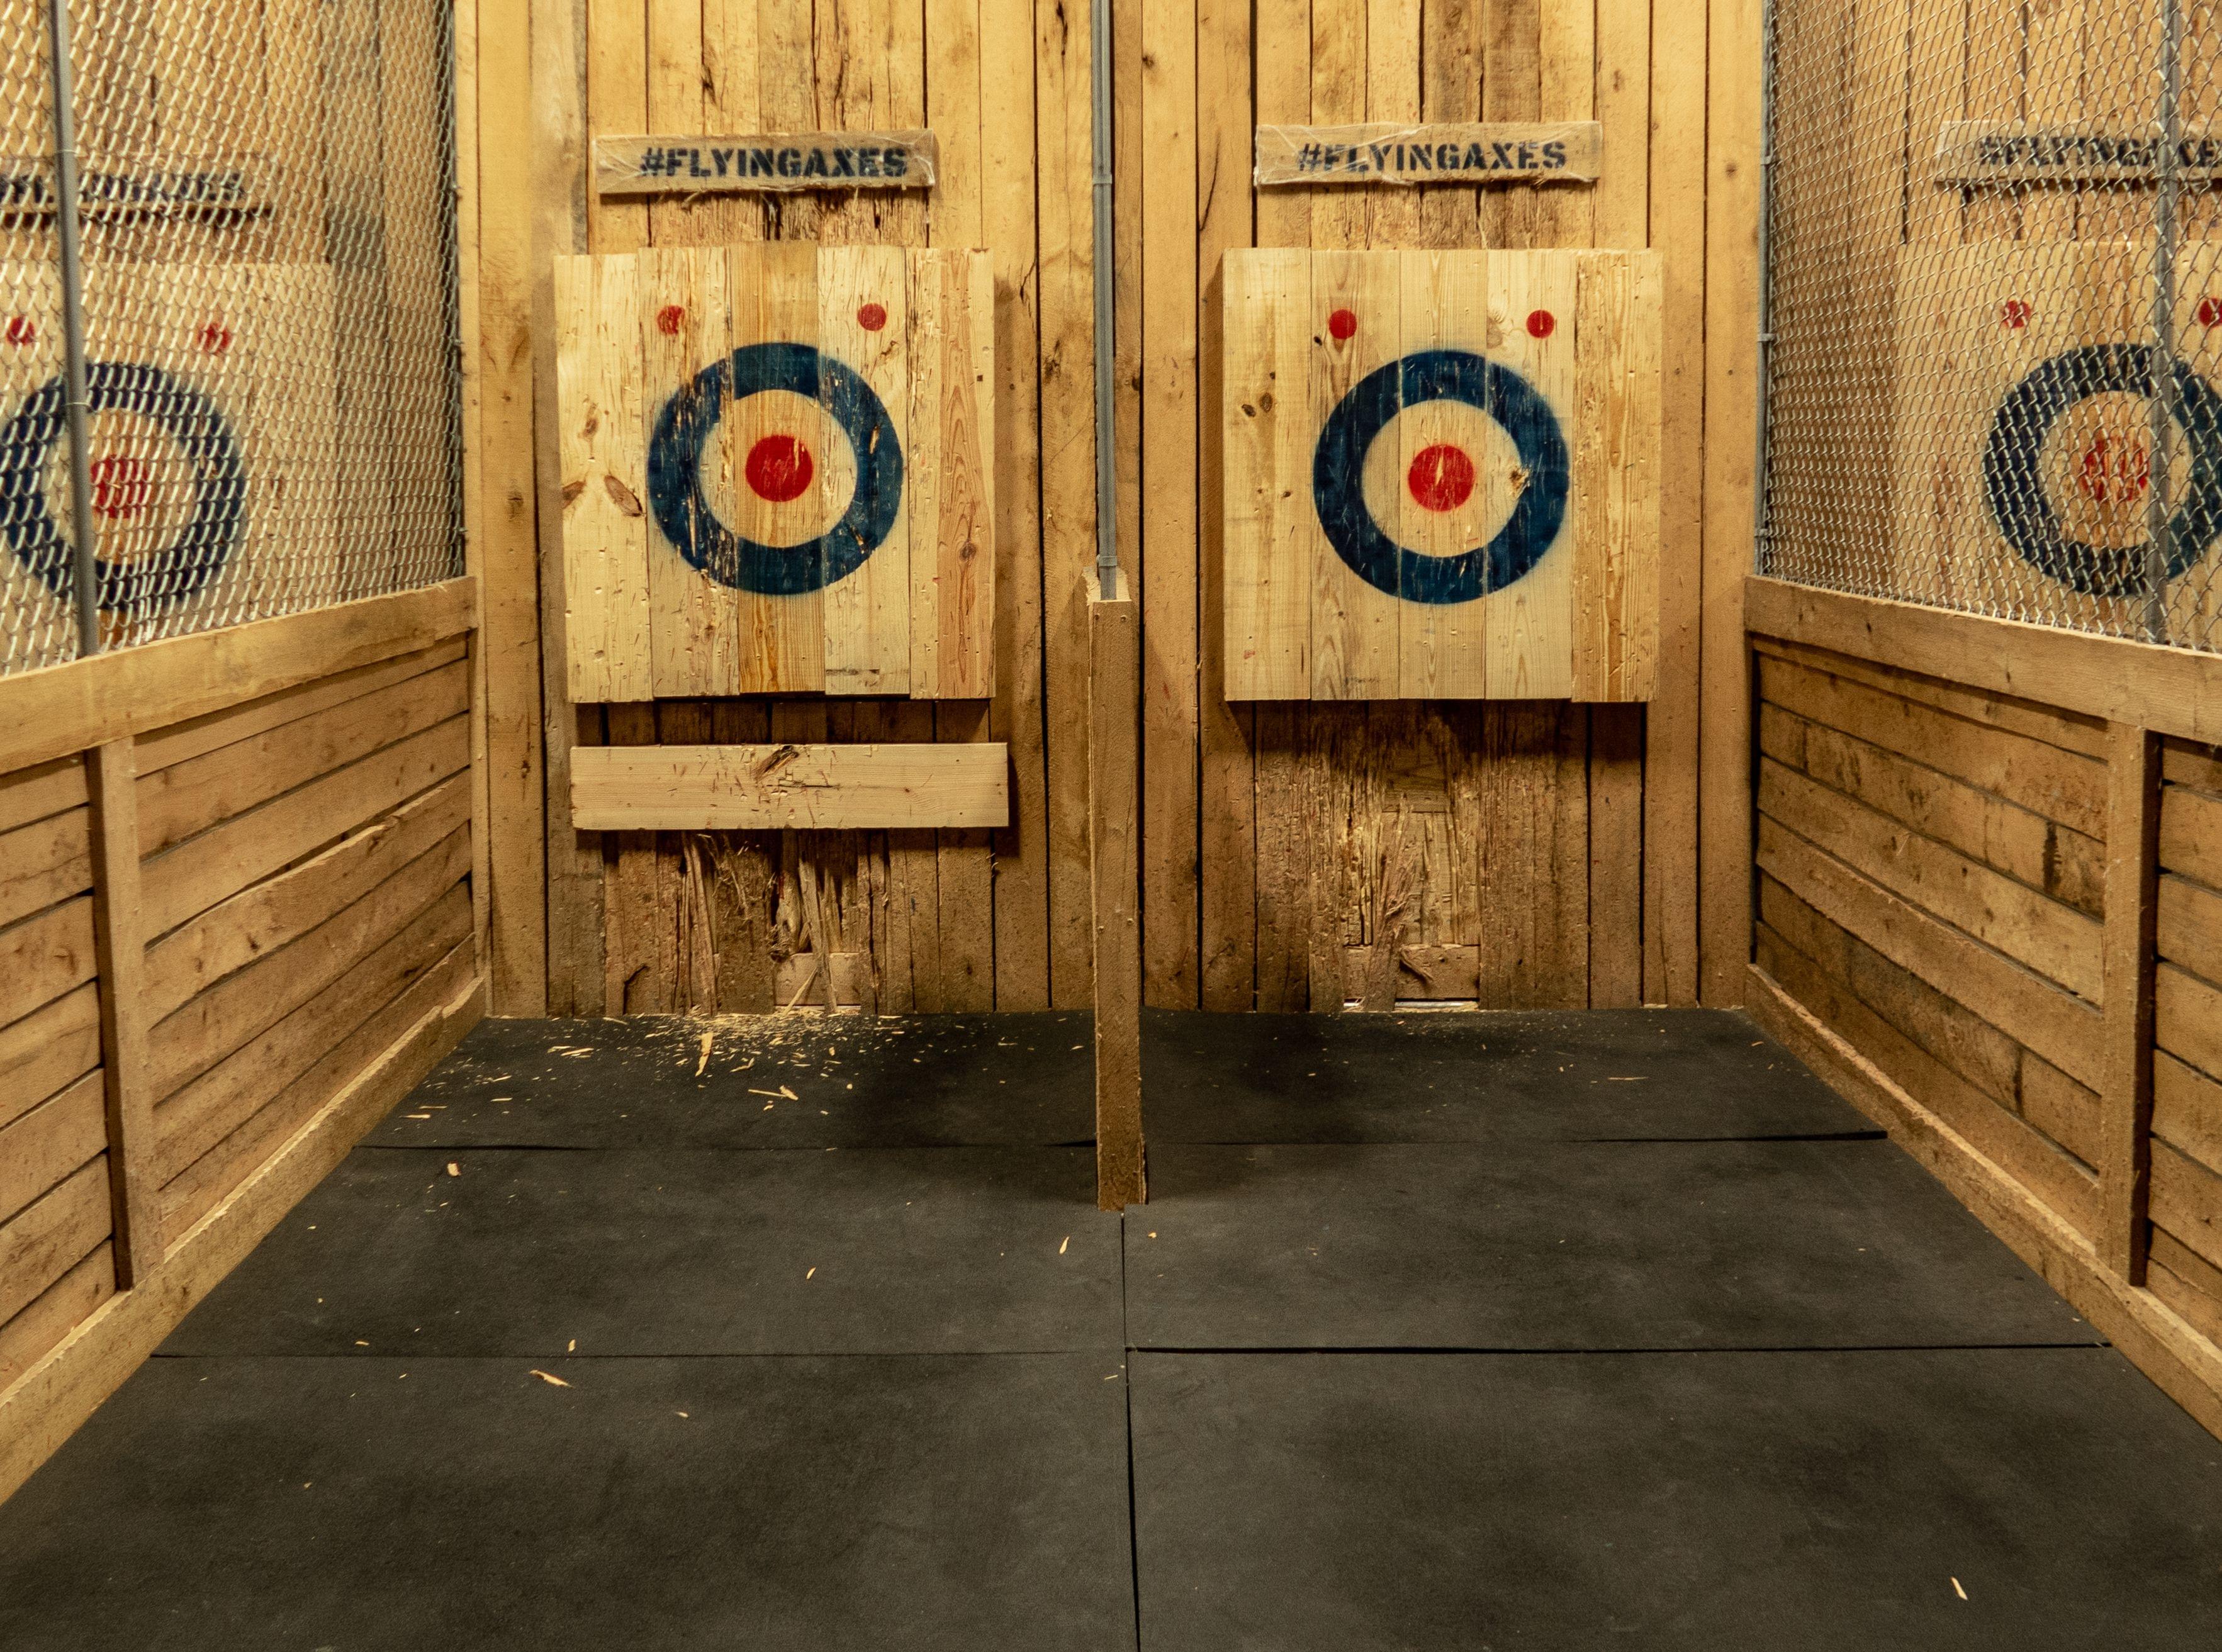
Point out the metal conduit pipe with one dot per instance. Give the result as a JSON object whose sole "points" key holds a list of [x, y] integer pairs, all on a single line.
{"points": [[1106, 475], [86, 583]]}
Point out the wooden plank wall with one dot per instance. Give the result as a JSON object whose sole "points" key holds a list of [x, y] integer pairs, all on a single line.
{"points": [[1530, 853], [236, 923], [1989, 908], [950, 920]]}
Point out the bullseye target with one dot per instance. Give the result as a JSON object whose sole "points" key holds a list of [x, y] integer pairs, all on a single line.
{"points": [[2066, 468], [1505, 530], [166, 472], [799, 438], [1441, 474], [777, 471]]}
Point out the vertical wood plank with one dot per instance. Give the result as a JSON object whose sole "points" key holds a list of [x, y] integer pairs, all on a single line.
{"points": [[864, 322], [772, 295], [1445, 304], [604, 447], [1732, 140], [2132, 885], [1226, 831], [1617, 433], [1677, 231], [1115, 818], [1529, 642], [1167, 569], [1022, 892], [1355, 325], [684, 333], [1267, 433], [120, 952], [1066, 242], [951, 476]]}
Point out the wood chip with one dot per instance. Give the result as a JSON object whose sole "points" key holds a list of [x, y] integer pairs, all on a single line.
{"points": [[552, 1381], [1067, 1240], [1957, 1589], [454, 1169], [705, 1061]]}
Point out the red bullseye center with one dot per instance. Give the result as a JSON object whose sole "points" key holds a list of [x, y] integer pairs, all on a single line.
{"points": [[120, 486], [779, 468], [1441, 477]]}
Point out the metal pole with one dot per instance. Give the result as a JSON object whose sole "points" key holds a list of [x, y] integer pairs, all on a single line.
{"points": [[1765, 284], [87, 581], [1106, 474], [2158, 465]]}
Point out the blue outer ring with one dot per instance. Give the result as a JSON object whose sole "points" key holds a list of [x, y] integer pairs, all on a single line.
{"points": [[1338, 462], [2015, 489], [683, 427], [191, 420]]}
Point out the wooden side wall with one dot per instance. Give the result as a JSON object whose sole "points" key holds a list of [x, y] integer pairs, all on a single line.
{"points": [[1989, 908], [240, 894], [1531, 853]]}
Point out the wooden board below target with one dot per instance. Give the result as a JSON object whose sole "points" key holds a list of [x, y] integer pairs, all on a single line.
{"points": [[777, 471], [1441, 474], [213, 445], [2023, 431]]}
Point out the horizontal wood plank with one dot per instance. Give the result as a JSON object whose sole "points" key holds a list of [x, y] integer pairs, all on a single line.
{"points": [[2187, 1200], [44, 863], [183, 882], [2054, 727], [161, 747], [44, 957], [258, 921], [214, 1024], [190, 796], [2032, 1010], [713, 788], [2171, 690], [2188, 1017], [208, 1108], [55, 1044], [86, 703], [55, 1312], [43, 1147], [193, 1193], [2051, 938], [2064, 863], [2187, 1109], [43, 789], [2057, 784], [43, 1240], [2191, 834]]}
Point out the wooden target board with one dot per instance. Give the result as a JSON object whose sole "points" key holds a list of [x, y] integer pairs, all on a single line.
{"points": [[777, 471], [1441, 474], [2021, 482], [213, 444]]}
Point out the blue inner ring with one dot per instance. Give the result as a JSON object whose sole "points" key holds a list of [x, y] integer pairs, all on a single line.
{"points": [[683, 428], [190, 419], [1338, 469]]}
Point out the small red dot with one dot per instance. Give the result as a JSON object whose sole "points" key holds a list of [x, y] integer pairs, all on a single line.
{"points": [[21, 330], [669, 319], [872, 317], [2014, 313], [1342, 323], [215, 338], [2210, 311], [1541, 323]]}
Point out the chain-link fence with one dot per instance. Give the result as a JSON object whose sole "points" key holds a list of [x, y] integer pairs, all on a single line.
{"points": [[269, 306], [1993, 328]]}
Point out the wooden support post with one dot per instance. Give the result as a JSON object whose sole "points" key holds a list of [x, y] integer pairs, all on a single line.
{"points": [[1113, 803], [2132, 889], [120, 946]]}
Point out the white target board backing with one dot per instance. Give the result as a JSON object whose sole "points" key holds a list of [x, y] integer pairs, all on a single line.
{"points": [[1441, 474], [777, 471]]}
